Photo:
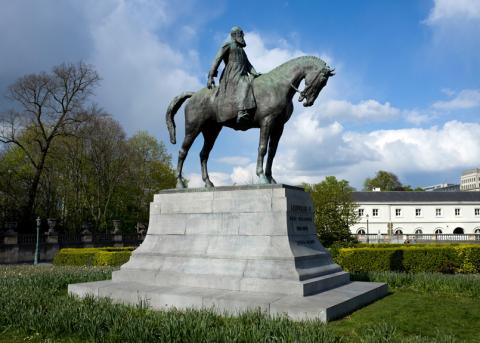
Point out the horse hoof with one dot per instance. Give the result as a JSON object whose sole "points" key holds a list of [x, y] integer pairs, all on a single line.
{"points": [[272, 180], [262, 179], [209, 184], [181, 184]]}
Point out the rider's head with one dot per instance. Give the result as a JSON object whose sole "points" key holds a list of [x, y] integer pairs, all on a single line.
{"points": [[237, 35]]}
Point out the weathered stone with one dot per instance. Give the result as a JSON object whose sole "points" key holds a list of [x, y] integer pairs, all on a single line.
{"points": [[238, 248]]}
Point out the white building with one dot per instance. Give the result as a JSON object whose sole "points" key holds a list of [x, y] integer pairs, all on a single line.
{"points": [[442, 187], [417, 213], [470, 180]]}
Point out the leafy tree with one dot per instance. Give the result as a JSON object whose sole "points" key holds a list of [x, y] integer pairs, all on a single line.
{"points": [[150, 170], [334, 209], [384, 180], [47, 106], [73, 163]]}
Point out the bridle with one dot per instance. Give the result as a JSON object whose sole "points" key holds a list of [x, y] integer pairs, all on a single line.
{"points": [[307, 87]]}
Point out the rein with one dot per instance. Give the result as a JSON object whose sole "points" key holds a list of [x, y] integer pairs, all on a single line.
{"points": [[306, 87], [295, 88]]}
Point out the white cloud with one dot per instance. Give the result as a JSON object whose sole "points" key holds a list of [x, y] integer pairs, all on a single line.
{"points": [[432, 149], [454, 9], [243, 175], [364, 110], [265, 59], [218, 179], [234, 160], [417, 117], [309, 151], [466, 99], [141, 74]]}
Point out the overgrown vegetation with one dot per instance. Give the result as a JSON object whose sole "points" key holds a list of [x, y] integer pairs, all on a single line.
{"points": [[464, 285], [92, 256], [64, 158], [459, 258], [387, 182], [334, 210], [35, 305]]}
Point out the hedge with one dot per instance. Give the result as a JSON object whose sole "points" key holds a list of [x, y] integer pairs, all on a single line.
{"points": [[459, 258], [110, 256]]}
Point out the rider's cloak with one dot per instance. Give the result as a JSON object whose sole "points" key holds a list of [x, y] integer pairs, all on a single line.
{"points": [[235, 90]]}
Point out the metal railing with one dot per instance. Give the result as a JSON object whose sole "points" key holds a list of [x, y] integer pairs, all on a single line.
{"points": [[418, 238], [73, 239]]}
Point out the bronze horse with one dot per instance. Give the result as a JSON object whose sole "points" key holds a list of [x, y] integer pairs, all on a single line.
{"points": [[273, 91]]}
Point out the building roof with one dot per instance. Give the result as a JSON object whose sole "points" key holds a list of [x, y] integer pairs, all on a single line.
{"points": [[471, 171], [416, 196]]}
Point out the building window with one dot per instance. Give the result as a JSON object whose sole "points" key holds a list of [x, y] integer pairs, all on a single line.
{"points": [[360, 212], [477, 211], [438, 231], [361, 232], [477, 231], [457, 211], [418, 231], [398, 212], [398, 232], [438, 212], [375, 212], [418, 212]]}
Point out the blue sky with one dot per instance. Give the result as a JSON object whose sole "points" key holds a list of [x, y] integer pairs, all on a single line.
{"points": [[406, 96]]}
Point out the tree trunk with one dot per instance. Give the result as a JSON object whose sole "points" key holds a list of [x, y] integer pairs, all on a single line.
{"points": [[28, 216]]}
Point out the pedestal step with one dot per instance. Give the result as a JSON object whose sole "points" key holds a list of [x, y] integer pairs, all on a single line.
{"points": [[236, 248], [226, 282], [326, 306]]}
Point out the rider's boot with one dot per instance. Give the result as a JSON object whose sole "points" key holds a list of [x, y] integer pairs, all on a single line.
{"points": [[243, 117]]}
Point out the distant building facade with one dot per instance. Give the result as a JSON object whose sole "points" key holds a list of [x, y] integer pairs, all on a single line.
{"points": [[442, 187], [470, 180], [417, 213]]}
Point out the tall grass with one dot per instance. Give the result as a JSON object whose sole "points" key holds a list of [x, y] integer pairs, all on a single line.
{"points": [[33, 300], [433, 283]]}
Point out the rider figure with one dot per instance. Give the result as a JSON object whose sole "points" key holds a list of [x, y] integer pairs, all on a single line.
{"points": [[235, 89]]}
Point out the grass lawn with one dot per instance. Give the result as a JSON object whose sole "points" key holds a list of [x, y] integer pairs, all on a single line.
{"points": [[34, 307], [413, 313]]}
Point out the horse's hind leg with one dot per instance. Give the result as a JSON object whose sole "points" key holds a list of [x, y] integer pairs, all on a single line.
{"points": [[210, 134], [190, 135], [262, 150], [272, 149]]}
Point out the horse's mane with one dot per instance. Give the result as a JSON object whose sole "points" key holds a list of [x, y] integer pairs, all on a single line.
{"points": [[299, 60]]}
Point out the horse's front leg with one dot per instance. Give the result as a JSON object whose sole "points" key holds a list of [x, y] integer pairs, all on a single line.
{"points": [[210, 134], [190, 135], [272, 149], [262, 150]]}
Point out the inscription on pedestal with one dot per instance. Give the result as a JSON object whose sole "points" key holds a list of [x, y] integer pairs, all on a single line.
{"points": [[305, 241], [300, 216]]}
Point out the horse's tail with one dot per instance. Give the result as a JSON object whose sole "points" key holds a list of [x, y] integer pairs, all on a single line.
{"points": [[175, 104]]}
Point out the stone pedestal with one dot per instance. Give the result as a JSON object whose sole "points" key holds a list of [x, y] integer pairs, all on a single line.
{"points": [[86, 238], [10, 238], [232, 249], [117, 240], [51, 238]]}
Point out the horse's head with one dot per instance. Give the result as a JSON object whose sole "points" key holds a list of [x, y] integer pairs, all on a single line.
{"points": [[315, 80]]}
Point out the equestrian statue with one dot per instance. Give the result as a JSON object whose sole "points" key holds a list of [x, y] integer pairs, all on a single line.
{"points": [[245, 99]]}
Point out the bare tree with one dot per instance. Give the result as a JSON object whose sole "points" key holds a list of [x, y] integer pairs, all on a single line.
{"points": [[49, 105]]}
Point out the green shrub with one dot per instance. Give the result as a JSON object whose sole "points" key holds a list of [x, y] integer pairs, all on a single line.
{"points": [[34, 302], [110, 256], [431, 283], [412, 258]]}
